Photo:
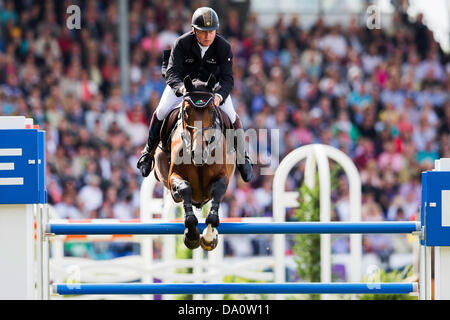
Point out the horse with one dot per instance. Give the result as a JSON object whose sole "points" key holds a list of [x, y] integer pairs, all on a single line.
{"points": [[197, 162]]}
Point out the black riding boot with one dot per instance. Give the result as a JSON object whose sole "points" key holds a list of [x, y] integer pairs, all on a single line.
{"points": [[243, 161], [147, 161]]}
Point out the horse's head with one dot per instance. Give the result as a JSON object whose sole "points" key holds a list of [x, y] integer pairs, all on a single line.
{"points": [[199, 95], [199, 114]]}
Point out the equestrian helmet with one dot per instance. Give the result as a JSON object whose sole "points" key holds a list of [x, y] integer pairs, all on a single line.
{"points": [[205, 19]]}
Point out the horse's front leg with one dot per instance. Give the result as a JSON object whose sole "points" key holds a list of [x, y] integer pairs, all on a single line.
{"points": [[210, 236], [182, 189]]}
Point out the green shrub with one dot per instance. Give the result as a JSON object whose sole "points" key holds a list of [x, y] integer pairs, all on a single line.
{"points": [[307, 246], [393, 276]]}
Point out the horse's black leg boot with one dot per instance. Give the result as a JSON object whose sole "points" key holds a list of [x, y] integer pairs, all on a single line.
{"points": [[218, 189], [183, 190]]}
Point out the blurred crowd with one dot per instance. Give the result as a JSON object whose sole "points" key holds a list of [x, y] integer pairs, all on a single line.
{"points": [[380, 95]]}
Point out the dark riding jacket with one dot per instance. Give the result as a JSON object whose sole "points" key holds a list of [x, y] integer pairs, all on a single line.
{"points": [[185, 59]]}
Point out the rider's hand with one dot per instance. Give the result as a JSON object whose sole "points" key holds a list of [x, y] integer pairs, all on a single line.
{"points": [[217, 100]]}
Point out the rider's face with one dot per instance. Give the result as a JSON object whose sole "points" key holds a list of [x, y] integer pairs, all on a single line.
{"points": [[205, 38]]}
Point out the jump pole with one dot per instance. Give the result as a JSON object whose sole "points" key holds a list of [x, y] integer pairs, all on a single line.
{"points": [[235, 288], [236, 228]]}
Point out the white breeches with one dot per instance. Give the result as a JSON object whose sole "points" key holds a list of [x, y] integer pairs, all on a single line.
{"points": [[170, 101]]}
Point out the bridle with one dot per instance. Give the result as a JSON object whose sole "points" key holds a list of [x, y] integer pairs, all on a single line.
{"points": [[203, 104], [196, 104]]}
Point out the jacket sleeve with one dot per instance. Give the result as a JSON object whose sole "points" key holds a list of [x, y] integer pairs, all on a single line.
{"points": [[165, 62], [226, 81], [175, 69]]}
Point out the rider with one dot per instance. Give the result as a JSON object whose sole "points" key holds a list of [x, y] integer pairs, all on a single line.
{"points": [[197, 53]]}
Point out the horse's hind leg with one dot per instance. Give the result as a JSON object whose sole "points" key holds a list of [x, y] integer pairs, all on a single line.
{"points": [[210, 236], [182, 189]]}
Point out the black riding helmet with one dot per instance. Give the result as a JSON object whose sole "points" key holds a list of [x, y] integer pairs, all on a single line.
{"points": [[205, 19]]}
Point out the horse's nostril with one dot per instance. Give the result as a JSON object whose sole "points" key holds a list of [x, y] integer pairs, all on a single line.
{"points": [[213, 138]]}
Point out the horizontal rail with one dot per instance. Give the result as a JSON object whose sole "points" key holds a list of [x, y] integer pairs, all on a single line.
{"points": [[238, 288], [237, 228]]}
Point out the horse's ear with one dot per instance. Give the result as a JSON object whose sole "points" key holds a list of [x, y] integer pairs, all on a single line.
{"points": [[188, 84], [211, 82]]}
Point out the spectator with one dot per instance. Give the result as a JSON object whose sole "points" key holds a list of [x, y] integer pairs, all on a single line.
{"points": [[379, 95], [311, 60], [371, 59], [390, 158], [167, 37], [421, 36], [47, 44], [423, 133], [371, 210], [90, 196], [136, 128], [124, 209], [67, 208], [335, 42], [263, 197]]}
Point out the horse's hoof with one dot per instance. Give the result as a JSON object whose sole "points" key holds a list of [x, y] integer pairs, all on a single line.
{"points": [[209, 244], [191, 241]]}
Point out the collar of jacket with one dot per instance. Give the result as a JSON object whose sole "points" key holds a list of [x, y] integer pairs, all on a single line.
{"points": [[196, 48]]}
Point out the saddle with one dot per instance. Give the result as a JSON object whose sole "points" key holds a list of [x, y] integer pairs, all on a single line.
{"points": [[173, 119]]}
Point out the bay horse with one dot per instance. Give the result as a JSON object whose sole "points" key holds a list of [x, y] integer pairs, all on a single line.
{"points": [[197, 163]]}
